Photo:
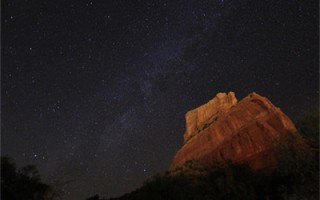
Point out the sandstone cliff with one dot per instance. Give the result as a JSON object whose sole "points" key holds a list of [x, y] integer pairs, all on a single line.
{"points": [[241, 132]]}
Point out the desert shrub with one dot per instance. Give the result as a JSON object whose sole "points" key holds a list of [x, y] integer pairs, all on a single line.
{"points": [[21, 184]]}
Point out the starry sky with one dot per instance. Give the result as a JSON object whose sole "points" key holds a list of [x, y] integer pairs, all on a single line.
{"points": [[94, 93]]}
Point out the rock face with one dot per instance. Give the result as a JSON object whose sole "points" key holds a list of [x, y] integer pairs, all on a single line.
{"points": [[241, 132]]}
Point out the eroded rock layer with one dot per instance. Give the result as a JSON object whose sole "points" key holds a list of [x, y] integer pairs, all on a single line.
{"points": [[241, 132]]}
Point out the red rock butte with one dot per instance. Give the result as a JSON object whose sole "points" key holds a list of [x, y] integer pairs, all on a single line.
{"points": [[227, 130]]}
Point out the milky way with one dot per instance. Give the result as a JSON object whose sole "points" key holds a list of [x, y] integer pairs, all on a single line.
{"points": [[94, 93]]}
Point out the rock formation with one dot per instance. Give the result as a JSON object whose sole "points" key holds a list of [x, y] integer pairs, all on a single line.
{"points": [[241, 132]]}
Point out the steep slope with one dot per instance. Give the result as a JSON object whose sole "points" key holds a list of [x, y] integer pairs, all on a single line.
{"points": [[240, 132]]}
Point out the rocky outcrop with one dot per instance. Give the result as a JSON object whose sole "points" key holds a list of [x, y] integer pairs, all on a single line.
{"points": [[241, 132], [201, 117]]}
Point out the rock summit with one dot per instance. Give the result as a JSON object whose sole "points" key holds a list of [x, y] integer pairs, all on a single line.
{"points": [[227, 130]]}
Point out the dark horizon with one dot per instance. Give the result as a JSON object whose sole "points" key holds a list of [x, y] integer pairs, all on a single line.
{"points": [[97, 92]]}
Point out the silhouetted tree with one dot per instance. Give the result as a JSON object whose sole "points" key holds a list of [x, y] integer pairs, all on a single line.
{"points": [[22, 184], [95, 197], [308, 126], [298, 167]]}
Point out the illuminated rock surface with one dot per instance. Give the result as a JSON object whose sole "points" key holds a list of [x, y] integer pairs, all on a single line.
{"points": [[241, 132]]}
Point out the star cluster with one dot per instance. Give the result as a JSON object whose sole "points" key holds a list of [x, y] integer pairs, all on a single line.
{"points": [[94, 92]]}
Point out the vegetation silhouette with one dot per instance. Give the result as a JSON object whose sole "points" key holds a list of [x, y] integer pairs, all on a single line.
{"points": [[21, 184]]}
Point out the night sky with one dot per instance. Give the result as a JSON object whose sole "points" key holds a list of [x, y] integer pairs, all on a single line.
{"points": [[94, 93]]}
